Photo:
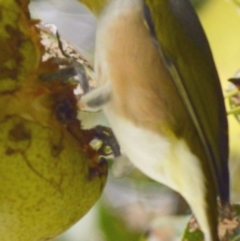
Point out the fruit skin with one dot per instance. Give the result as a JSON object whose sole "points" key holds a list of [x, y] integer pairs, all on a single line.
{"points": [[45, 181], [49, 174]]}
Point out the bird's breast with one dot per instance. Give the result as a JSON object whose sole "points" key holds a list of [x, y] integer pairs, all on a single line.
{"points": [[161, 158], [126, 57]]}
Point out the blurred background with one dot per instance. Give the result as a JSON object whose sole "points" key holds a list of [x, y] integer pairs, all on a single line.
{"points": [[135, 206]]}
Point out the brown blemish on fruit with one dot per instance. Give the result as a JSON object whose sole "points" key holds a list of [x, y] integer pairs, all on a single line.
{"points": [[9, 151], [63, 102], [56, 149], [65, 111], [19, 133], [10, 52], [100, 170]]}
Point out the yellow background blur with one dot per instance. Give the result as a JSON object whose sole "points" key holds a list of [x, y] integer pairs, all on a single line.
{"points": [[221, 21]]}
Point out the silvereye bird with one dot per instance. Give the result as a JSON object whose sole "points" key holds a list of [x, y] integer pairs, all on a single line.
{"points": [[160, 91]]}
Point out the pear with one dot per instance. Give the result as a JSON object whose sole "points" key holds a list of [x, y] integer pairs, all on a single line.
{"points": [[49, 174]]}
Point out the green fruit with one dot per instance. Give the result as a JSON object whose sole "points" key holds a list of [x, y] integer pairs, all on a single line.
{"points": [[45, 181], [49, 174]]}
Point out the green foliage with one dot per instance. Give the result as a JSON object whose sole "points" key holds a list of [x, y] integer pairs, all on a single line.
{"points": [[114, 228]]}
